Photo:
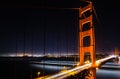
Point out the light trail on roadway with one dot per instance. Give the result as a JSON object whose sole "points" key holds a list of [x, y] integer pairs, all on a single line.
{"points": [[66, 73]]}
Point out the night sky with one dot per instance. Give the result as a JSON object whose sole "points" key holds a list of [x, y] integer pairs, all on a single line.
{"points": [[43, 27]]}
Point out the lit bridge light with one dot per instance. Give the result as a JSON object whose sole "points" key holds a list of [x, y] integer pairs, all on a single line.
{"points": [[66, 73]]}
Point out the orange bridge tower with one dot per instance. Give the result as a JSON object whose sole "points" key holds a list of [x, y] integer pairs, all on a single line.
{"points": [[117, 55], [116, 52], [86, 33]]}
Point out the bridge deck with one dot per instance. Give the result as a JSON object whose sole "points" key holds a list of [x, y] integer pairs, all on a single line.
{"points": [[66, 73]]}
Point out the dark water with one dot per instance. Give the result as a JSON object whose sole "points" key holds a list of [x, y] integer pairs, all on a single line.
{"points": [[109, 70], [51, 68], [20, 69], [14, 70]]}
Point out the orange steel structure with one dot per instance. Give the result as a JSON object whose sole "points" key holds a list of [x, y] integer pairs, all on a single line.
{"points": [[117, 55], [116, 52], [83, 21]]}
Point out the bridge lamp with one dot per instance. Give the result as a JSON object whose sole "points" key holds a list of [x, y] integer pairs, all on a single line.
{"points": [[38, 73], [97, 64]]}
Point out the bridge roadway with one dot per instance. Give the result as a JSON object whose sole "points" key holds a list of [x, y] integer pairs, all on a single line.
{"points": [[65, 73]]}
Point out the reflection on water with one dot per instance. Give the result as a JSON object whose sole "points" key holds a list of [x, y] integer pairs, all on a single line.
{"points": [[20, 69], [49, 67], [110, 70]]}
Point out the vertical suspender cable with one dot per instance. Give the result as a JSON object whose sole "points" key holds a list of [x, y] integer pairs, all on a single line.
{"points": [[44, 36], [60, 44], [16, 54], [74, 39], [24, 43], [32, 43], [57, 31], [16, 44], [67, 42], [24, 37]]}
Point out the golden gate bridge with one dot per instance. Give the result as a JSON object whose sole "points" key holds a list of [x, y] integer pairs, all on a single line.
{"points": [[86, 42], [86, 34]]}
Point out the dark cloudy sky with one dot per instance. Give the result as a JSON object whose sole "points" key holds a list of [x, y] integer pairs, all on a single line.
{"points": [[33, 27]]}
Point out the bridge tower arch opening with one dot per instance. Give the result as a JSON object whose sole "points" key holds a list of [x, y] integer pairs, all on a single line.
{"points": [[86, 33]]}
